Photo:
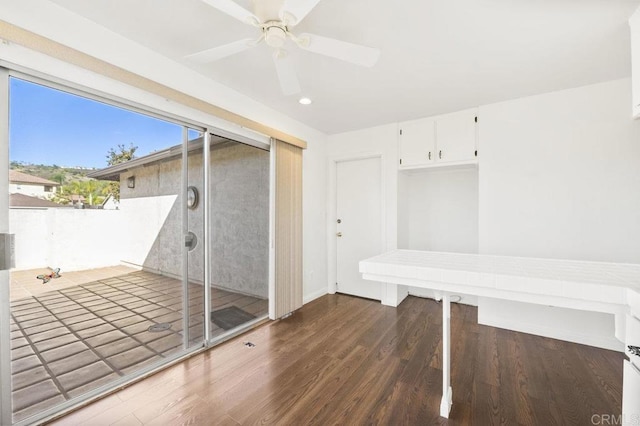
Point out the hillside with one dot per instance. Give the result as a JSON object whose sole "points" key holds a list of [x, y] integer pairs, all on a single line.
{"points": [[74, 183], [62, 175]]}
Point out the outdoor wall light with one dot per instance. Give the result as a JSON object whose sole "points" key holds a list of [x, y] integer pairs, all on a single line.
{"points": [[192, 197], [131, 182]]}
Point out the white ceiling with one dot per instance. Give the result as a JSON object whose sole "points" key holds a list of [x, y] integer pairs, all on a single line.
{"points": [[437, 55]]}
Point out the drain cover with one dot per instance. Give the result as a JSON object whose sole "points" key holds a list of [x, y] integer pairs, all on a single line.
{"points": [[163, 326]]}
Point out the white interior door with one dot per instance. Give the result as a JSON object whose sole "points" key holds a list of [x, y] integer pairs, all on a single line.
{"points": [[359, 223]]}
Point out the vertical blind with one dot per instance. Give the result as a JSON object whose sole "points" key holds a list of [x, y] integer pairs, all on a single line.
{"points": [[288, 228]]}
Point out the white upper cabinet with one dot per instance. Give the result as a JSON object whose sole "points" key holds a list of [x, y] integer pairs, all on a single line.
{"points": [[417, 142], [439, 141], [456, 136], [634, 22]]}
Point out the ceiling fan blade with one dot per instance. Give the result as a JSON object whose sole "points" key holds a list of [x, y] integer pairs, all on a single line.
{"points": [[294, 11], [211, 55], [231, 8], [349, 52], [286, 73]]}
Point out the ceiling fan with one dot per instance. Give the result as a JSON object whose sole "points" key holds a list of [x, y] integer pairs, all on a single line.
{"points": [[275, 20]]}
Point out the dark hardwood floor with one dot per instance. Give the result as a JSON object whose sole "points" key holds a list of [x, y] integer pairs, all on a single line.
{"points": [[346, 360]]}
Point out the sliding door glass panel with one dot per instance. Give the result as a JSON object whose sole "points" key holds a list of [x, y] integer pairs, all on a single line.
{"points": [[97, 196], [239, 231]]}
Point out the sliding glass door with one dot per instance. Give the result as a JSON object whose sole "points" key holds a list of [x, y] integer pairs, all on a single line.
{"points": [[104, 202], [239, 183], [137, 238]]}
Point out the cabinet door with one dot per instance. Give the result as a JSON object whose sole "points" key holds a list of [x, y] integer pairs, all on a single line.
{"points": [[456, 136], [417, 142], [630, 394]]}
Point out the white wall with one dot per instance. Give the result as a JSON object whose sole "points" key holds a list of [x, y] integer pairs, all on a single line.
{"points": [[438, 210], [314, 217], [560, 178], [58, 24], [31, 230], [66, 238], [587, 328], [560, 175]]}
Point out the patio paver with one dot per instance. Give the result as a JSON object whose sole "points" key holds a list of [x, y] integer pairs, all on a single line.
{"points": [[76, 337]]}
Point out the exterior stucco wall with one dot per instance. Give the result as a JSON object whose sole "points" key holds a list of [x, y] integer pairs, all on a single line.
{"points": [[240, 219], [239, 228]]}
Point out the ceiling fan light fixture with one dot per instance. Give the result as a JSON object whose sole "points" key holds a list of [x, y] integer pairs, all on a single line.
{"points": [[304, 101], [275, 36], [275, 19]]}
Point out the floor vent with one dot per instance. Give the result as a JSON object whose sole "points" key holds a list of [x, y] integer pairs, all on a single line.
{"points": [[157, 328]]}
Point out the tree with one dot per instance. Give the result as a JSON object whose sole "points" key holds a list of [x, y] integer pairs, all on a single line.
{"points": [[58, 177], [119, 155], [92, 190]]}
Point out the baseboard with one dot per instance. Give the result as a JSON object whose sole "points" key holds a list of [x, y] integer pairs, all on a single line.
{"points": [[314, 295], [563, 329]]}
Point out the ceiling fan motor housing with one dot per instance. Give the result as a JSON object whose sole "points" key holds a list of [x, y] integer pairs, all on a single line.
{"points": [[275, 34]]}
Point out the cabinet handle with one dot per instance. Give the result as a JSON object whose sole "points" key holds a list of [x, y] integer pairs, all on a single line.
{"points": [[440, 155], [635, 350], [429, 155]]}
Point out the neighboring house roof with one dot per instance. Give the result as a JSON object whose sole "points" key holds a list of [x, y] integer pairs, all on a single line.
{"points": [[76, 197], [21, 200], [113, 172], [19, 177]]}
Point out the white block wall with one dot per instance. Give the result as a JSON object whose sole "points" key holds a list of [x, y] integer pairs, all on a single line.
{"points": [[66, 238]]}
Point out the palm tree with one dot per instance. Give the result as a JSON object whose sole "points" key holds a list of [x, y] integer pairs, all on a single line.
{"points": [[91, 189], [58, 177]]}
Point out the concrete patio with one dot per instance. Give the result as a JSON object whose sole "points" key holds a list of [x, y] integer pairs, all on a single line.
{"points": [[68, 337]]}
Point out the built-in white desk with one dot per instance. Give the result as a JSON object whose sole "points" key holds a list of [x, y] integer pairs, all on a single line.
{"points": [[592, 286]]}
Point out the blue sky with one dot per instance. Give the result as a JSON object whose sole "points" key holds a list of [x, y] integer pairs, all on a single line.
{"points": [[49, 127]]}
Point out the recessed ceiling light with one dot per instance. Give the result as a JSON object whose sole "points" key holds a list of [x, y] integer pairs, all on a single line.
{"points": [[305, 101]]}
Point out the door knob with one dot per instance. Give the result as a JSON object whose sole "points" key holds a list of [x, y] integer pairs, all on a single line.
{"points": [[339, 234]]}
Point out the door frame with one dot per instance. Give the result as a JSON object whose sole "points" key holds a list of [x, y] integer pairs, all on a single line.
{"points": [[332, 216], [5, 284]]}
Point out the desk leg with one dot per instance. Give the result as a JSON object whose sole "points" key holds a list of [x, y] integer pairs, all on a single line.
{"points": [[447, 392]]}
